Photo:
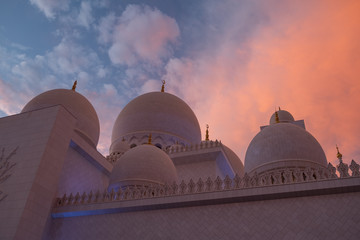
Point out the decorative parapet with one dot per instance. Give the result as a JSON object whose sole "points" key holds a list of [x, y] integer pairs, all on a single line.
{"points": [[278, 177], [194, 147], [112, 158]]}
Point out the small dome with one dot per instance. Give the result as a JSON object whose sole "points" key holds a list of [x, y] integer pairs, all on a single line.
{"points": [[284, 116], [234, 160], [87, 124], [286, 143], [119, 147], [143, 165], [159, 113]]}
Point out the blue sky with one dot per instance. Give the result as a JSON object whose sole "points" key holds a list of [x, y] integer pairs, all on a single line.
{"points": [[232, 61]]}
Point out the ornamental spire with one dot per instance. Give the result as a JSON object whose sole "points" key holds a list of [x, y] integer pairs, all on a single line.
{"points": [[338, 155], [277, 120], [207, 133], [163, 86], [74, 86]]}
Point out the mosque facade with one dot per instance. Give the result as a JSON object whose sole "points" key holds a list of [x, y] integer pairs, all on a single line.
{"points": [[161, 180]]}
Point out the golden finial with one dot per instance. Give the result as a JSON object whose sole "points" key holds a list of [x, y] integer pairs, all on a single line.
{"points": [[207, 133], [279, 108], [277, 120], [338, 155], [74, 86], [149, 141], [163, 86]]}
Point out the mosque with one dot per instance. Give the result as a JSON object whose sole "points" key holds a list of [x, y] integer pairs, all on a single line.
{"points": [[161, 180]]}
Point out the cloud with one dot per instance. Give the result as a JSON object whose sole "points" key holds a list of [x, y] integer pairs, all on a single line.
{"points": [[85, 18], [25, 77], [105, 28], [300, 56], [49, 7], [106, 101], [70, 58], [140, 34]]}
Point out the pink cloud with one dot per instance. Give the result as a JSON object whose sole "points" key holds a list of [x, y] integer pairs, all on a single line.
{"points": [[141, 34], [305, 59]]}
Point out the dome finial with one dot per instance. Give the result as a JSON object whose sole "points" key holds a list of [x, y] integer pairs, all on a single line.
{"points": [[149, 141], [207, 133], [279, 108], [277, 120], [338, 155], [163, 86], [74, 86]]}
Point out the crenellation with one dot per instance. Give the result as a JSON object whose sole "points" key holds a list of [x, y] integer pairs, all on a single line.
{"points": [[183, 187], [237, 181], [76, 198], [279, 177], [309, 174], [218, 184], [174, 188], [83, 197], [208, 184], [255, 180], [246, 181], [191, 186], [200, 185], [227, 183], [266, 179], [343, 169], [97, 196], [331, 171], [354, 167], [288, 177]]}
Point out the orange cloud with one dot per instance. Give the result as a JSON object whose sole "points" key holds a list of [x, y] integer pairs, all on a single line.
{"points": [[304, 59]]}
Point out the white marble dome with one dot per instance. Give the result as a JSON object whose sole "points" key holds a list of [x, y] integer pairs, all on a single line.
{"points": [[119, 146], [158, 113], [143, 165], [283, 145], [234, 161], [284, 116], [87, 125]]}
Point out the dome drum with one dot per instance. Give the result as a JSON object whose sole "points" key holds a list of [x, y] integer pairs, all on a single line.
{"points": [[281, 165]]}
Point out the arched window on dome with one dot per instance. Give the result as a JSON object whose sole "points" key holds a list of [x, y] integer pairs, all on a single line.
{"points": [[133, 145]]}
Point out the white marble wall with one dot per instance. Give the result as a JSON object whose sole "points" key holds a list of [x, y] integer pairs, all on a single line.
{"points": [[335, 216], [42, 138]]}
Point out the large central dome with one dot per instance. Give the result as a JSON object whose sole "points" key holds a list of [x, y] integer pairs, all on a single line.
{"points": [[158, 113]]}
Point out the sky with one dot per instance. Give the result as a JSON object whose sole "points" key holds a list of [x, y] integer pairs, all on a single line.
{"points": [[232, 61]]}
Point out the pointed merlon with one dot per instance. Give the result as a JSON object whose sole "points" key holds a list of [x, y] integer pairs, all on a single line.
{"points": [[74, 86], [163, 86]]}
